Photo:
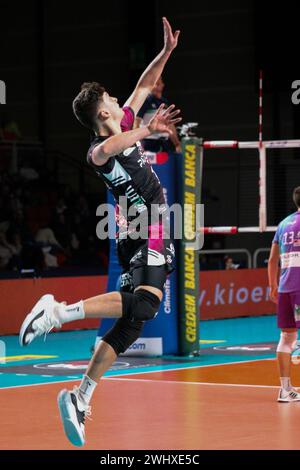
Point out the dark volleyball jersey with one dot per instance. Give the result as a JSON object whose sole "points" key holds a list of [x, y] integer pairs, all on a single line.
{"points": [[130, 175]]}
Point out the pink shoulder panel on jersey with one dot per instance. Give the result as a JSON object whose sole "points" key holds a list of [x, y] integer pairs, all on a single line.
{"points": [[128, 119]]}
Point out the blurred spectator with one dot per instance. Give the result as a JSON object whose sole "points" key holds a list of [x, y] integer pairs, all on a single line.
{"points": [[229, 264], [44, 225], [157, 142], [10, 251], [45, 236], [52, 250]]}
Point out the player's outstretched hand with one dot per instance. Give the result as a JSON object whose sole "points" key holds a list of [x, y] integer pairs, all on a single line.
{"points": [[163, 119], [171, 39]]}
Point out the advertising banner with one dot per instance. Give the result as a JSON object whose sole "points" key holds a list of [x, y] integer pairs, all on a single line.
{"points": [[223, 294], [234, 293], [188, 285]]}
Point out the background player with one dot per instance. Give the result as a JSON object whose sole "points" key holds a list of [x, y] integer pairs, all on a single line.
{"points": [[286, 247], [118, 159]]}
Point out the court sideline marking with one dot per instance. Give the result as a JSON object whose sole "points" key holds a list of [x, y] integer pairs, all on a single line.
{"points": [[192, 383]]}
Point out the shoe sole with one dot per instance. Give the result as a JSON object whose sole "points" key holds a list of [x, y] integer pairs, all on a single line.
{"points": [[70, 429], [282, 400], [36, 311]]}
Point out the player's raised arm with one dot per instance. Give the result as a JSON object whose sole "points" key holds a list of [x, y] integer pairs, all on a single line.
{"points": [[154, 70]]}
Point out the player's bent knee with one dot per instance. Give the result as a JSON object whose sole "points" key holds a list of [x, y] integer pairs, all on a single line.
{"points": [[142, 305], [123, 334], [287, 342]]}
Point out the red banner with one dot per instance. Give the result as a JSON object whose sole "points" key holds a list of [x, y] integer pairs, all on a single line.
{"points": [[234, 293], [223, 294], [19, 296]]}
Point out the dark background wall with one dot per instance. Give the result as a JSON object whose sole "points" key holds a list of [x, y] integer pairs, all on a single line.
{"points": [[48, 48]]}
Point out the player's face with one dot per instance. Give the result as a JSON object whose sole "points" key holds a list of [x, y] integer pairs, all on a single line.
{"points": [[111, 105]]}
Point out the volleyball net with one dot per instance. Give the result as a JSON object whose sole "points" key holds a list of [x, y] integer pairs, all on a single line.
{"points": [[267, 169], [259, 170]]}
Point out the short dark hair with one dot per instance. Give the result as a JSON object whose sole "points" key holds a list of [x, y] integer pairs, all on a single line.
{"points": [[296, 196], [86, 103]]}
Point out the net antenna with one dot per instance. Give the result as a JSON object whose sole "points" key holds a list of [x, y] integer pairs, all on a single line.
{"points": [[262, 162]]}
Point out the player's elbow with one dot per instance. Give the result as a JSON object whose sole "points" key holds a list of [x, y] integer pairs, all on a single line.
{"points": [[144, 88]]}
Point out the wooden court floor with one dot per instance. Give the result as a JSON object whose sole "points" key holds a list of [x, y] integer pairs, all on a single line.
{"points": [[231, 406]]}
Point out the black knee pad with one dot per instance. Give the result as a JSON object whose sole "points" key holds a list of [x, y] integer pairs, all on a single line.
{"points": [[140, 306], [123, 334]]}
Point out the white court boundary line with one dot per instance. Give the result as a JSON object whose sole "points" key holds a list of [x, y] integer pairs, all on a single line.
{"points": [[154, 372], [211, 384]]}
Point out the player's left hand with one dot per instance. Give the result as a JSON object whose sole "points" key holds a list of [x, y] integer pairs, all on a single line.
{"points": [[164, 119], [171, 39]]}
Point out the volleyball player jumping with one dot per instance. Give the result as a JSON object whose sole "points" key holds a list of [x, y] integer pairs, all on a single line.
{"points": [[118, 158]]}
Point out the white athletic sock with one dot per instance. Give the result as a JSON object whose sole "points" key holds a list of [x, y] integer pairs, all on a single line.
{"points": [[86, 389], [67, 313], [286, 383]]}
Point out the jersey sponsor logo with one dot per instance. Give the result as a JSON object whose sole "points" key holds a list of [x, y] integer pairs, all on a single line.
{"points": [[140, 148], [290, 260], [143, 161], [126, 280], [128, 151], [135, 199]]}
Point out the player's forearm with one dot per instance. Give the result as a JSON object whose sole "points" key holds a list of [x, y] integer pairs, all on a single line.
{"points": [[273, 269], [154, 70], [120, 142]]}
